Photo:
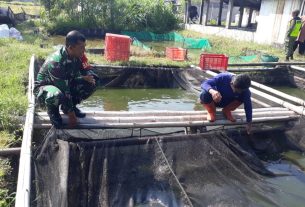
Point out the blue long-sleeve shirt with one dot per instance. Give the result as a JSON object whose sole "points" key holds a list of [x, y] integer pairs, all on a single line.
{"points": [[222, 84]]}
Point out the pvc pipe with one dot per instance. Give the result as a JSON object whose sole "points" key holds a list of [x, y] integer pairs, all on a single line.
{"points": [[267, 64], [239, 121], [24, 172], [10, 151]]}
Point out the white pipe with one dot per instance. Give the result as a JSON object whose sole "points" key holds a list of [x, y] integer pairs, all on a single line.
{"points": [[159, 113], [24, 173], [154, 119], [240, 121], [297, 68], [278, 93]]}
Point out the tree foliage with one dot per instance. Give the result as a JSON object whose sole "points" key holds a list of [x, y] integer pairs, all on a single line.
{"points": [[135, 15]]}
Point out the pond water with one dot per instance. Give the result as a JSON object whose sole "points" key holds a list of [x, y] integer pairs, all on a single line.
{"points": [[142, 100], [290, 183], [291, 91]]}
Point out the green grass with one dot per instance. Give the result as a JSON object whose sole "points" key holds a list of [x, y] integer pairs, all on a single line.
{"points": [[14, 63], [28, 7]]}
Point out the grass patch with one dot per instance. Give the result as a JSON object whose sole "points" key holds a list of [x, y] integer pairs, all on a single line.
{"points": [[28, 7], [14, 63], [7, 197]]}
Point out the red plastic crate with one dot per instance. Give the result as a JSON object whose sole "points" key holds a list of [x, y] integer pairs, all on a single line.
{"points": [[117, 47], [213, 62], [175, 53]]}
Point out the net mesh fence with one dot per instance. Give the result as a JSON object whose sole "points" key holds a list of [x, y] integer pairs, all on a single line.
{"points": [[132, 168]]}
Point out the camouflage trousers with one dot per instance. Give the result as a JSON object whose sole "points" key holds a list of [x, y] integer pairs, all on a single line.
{"points": [[49, 95], [289, 46]]}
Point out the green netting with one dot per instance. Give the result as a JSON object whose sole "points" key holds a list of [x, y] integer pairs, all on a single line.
{"points": [[189, 43], [136, 42], [269, 58], [237, 59]]}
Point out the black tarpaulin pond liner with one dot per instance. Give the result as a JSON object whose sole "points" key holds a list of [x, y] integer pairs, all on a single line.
{"points": [[72, 169]]}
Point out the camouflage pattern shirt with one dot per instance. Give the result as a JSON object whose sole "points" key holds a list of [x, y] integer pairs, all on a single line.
{"points": [[59, 70]]}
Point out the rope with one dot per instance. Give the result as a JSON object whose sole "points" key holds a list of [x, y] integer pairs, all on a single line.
{"points": [[172, 171]]}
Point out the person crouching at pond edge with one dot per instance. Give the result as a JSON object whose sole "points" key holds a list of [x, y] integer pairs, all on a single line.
{"points": [[227, 91], [59, 81]]}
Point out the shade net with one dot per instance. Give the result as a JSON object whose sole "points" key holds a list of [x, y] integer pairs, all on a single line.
{"points": [[190, 43], [120, 168]]}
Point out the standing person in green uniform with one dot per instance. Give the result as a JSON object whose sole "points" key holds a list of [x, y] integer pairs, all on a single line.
{"points": [[294, 27], [59, 81]]}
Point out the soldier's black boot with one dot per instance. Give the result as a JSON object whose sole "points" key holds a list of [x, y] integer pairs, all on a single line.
{"points": [[55, 117], [78, 113]]}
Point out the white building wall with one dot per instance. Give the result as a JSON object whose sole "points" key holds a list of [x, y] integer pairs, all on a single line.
{"points": [[223, 32], [265, 21], [272, 22], [272, 25]]}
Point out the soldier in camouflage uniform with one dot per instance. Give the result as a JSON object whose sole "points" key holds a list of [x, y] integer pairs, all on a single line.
{"points": [[59, 81]]}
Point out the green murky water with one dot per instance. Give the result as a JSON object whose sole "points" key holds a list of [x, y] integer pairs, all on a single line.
{"points": [[291, 91], [142, 100], [291, 185]]}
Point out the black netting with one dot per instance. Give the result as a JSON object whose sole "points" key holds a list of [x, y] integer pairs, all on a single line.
{"points": [[75, 168]]}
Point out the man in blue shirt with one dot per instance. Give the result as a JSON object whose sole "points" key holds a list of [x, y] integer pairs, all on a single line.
{"points": [[228, 92]]}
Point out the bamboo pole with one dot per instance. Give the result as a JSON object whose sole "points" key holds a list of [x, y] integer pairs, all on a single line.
{"points": [[24, 173], [9, 152], [172, 124], [102, 67], [297, 68], [260, 103], [278, 93], [160, 113], [153, 119], [299, 79], [266, 64], [298, 109], [250, 69]]}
